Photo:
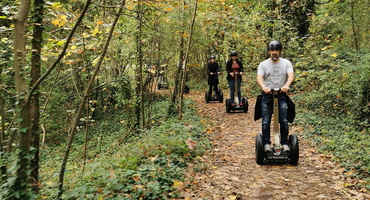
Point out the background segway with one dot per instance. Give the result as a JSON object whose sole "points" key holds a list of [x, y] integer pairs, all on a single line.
{"points": [[245, 104], [220, 96], [207, 97], [228, 105]]}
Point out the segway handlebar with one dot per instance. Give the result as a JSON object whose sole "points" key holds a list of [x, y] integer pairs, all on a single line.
{"points": [[275, 89]]}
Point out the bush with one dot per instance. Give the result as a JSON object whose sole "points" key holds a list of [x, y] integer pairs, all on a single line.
{"points": [[335, 112], [150, 165]]}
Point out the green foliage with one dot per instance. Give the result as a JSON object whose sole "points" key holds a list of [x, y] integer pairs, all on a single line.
{"points": [[149, 165], [10, 187], [335, 111]]}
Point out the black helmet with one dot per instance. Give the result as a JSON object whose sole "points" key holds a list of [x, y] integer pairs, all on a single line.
{"points": [[234, 53], [274, 45], [212, 57]]}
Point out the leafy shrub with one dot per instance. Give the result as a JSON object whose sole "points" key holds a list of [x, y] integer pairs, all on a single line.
{"points": [[335, 112], [149, 165]]}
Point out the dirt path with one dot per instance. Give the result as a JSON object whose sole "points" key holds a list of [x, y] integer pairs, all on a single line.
{"points": [[232, 172]]}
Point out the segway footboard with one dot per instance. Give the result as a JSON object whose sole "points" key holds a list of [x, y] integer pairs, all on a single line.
{"points": [[277, 156]]}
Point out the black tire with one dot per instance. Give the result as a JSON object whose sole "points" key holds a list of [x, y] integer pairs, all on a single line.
{"points": [[228, 105], [207, 97], [294, 149], [220, 96], [260, 152], [245, 104]]}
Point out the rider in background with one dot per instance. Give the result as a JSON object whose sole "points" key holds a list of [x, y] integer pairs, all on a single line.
{"points": [[213, 71], [234, 65], [275, 72]]}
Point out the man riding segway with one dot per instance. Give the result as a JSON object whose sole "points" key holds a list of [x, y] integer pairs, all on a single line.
{"points": [[274, 76]]}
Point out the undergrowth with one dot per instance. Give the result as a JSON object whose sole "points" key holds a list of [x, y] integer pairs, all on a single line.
{"points": [[149, 165], [335, 113]]}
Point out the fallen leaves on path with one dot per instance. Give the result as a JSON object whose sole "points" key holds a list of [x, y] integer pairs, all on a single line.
{"points": [[233, 174]]}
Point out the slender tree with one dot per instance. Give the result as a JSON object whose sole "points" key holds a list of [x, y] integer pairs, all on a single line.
{"points": [[23, 103], [354, 26], [139, 124], [172, 108], [183, 80], [37, 18]]}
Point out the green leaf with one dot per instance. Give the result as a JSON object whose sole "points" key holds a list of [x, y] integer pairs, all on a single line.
{"points": [[23, 130]]}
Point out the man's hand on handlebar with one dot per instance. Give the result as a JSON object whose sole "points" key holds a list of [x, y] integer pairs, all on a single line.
{"points": [[267, 90], [285, 89]]}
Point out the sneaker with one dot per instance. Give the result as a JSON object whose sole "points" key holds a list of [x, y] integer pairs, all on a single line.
{"points": [[286, 148], [267, 148], [240, 104]]}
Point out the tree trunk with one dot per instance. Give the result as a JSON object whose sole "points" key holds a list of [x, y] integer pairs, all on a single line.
{"points": [[23, 103], [3, 169], [139, 111], [38, 15], [2, 115], [183, 81], [354, 29], [172, 107]]}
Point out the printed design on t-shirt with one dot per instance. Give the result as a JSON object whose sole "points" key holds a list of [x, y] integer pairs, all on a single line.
{"points": [[276, 75]]}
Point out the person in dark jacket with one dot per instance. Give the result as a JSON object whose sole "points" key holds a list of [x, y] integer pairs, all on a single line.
{"points": [[213, 71], [234, 65]]}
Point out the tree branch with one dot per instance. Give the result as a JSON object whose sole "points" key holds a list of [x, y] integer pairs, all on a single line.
{"points": [[38, 82]]}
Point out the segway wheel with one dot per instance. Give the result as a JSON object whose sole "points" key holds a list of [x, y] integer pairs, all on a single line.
{"points": [[220, 96], [260, 153], [206, 96], [228, 105], [245, 104], [294, 149]]}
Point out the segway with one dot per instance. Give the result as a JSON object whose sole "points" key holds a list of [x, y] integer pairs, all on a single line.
{"points": [[276, 153], [237, 106], [218, 97], [162, 82]]}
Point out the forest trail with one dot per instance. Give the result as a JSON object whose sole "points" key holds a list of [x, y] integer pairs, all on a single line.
{"points": [[232, 172]]}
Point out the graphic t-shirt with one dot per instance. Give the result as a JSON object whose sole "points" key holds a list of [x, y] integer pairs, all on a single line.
{"points": [[275, 75]]}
